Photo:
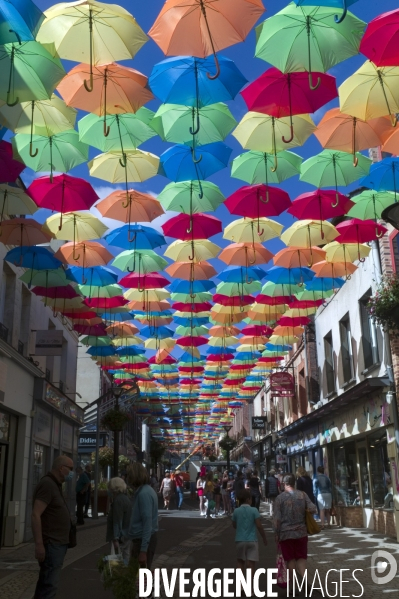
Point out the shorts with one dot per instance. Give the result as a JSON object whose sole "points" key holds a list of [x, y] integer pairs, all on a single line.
{"points": [[324, 501], [247, 551], [200, 492], [294, 549], [167, 493]]}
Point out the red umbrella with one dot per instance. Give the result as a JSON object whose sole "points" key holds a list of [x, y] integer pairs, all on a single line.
{"points": [[359, 231], [190, 381], [200, 307], [96, 330], [65, 292], [277, 300], [106, 302], [286, 94], [10, 169], [63, 194], [257, 330], [235, 300], [219, 357], [234, 382], [303, 304], [192, 341], [380, 42], [257, 201], [269, 359], [293, 321], [196, 226], [320, 204], [191, 369], [151, 280]]}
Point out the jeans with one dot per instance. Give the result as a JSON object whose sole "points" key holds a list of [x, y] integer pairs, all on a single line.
{"points": [[50, 571], [80, 504], [179, 496], [256, 500]]}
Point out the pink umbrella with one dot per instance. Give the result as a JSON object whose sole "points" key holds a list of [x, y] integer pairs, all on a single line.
{"points": [[256, 201], [303, 304], [192, 341], [359, 231], [195, 226], [198, 307], [10, 169], [235, 300], [97, 330], [151, 280], [65, 292], [219, 357], [285, 94], [106, 302], [257, 330], [63, 194], [276, 300], [320, 204], [380, 42]]}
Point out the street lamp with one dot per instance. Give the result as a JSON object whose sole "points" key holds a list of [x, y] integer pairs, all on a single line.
{"points": [[117, 392], [228, 428]]}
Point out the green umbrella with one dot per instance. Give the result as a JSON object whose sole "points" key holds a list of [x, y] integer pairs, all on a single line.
{"points": [[96, 341], [45, 278], [185, 197], [31, 71], [197, 298], [126, 131], [277, 289], [300, 38], [369, 204], [141, 261], [312, 296], [331, 168], [60, 152], [192, 332], [107, 291], [232, 289], [256, 167], [13, 200]]}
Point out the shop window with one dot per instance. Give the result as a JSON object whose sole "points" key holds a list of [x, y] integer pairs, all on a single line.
{"points": [[39, 463], [369, 335], [364, 477], [346, 349], [380, 472], [329, 363], [344, 475]]}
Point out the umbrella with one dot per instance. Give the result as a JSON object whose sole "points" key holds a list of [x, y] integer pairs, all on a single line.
{"points": [[257, 201], [35, 258], [111, 290], [124, 167], [252, 230], [96, 275], [371, 92], [234, 274], [33, 72], [91, 31], [97, 341], [10, 169], [190, 227], [183, 80], [320, 204], [135, 237], [122, 329], [380, 40], [289, 276], [258, 167], [346, 252], [391, 144], [130, 206], [19, 18], [241, 288], [369, 204], [60, 152], [333, 168], [359, 231], [339, 131], [89, 254], [193, 287], [62, 193], [64, 292], [145, 281], [293, 257], [142, 261], [76, 226], [14, 200], [383, 176], [334, 269], [333, 3], [195, 251], [202, 28], [245, 254], [191, 271], [318, 284], [177, 163], [307, 39], [22, 231], [45, 278], [278, 94], [184, 197], [307, 233]]}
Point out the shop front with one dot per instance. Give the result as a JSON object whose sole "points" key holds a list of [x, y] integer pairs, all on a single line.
{"points": [[268, 455], [303, 449], [257, 456]]}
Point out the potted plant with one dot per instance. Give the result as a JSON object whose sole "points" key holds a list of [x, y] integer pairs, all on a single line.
{"points": [[227, 444], [115, 419], [384, 305]]}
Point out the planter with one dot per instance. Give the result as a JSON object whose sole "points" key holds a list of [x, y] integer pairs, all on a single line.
{"points": [[102, 502]]}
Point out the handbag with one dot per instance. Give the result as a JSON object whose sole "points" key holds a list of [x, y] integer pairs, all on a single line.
{"points": [[311, 525], [72, 542], [281, 569]]}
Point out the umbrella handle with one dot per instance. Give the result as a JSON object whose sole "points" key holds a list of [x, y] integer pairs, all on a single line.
{"points": [[196, 130], [339, 19], [131, 239], [195, 160], [287, 141], [31, 153], [10, 77], [335, 204], [355, 160], [311, 86], [394, 120], [11, 103], [76, 258], [106, 128], [379, 235], [89, 88], [266, 201], [216, 75], [128, 200]]}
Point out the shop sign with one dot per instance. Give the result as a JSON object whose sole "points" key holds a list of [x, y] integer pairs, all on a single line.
{"points": [[49, 343], [4, 427], [282, 384], [304, 441], [88, 440], [259, 422], [54, 397], [281, 459]]}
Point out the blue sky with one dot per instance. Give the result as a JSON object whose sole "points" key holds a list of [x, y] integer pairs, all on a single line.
{"points": [[243, 55]]}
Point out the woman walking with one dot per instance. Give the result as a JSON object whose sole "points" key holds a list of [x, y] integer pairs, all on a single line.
{"points": [[289, 525], [225, 493], [209, 488], [200, 493], [216, 493], [322, 490], [304, 483], [118, 520], [167, 488], [253, 484]]}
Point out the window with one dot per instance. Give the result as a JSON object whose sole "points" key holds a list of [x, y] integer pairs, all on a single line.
{"points": [[380, 471], [346, 349], [344, 475], [369, 335], [329, 363]]}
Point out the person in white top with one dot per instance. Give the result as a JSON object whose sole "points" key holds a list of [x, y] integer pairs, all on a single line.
{"points": [[167, 489]]}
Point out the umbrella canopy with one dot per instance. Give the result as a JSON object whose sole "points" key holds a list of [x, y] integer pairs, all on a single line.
{"points": [[346, 252], [135, 237], [258, 167], [258, 201], [191, 271], [144, 261], [177, 162], [307, 233], [45, 278], [130, 206], [185, 197], [123, 167], [252, 230], [197, 226], [380, 40], [289, 276], [77, 226], [321, 204], [13, 200], [35, 258], [10, 169], [234, 274], [245, 254], [19, 19], [85, 254], [96, 275], [195, 251], [334, 269], [145, 281], [369, 204], [23, 231], [294, 257], [332, 168], [359, 231], [333, 3], [384, 176]]}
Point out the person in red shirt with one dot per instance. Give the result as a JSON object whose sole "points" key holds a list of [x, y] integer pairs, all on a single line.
{"points": [[179, 488]]}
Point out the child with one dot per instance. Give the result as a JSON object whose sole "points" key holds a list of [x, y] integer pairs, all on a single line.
{"points": [[246, 520]]}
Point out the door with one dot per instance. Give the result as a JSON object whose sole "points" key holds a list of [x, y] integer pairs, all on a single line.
{"points": [[364, 484], [3, 486]]}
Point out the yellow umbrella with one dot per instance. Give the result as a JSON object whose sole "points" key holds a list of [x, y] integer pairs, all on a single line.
{"points": [[131, 166], [219, 309], [42, 117], [146, 295], [266, 309], [371, 92], [346, 252], [124, 341], [167, 343], [245, 347], [252, 230], [222, 341], [75, 226], [298, 312], [196, 251], [229, 318], [305, 233], [283, 340]]}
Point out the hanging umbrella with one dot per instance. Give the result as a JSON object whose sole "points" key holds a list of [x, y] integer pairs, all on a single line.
{"points": [[123, 167], [76, 226], [33, 72], [331, 168], [252, 230], [333, 3], [380, 40], [202, 28], [135, 237], [289, 276], [145, 281], [10, 169], [35, 258], [141, 261], [293, 257], [391, 144], [60, 152], [320, 204], [195, 287], [258, 167], [307, 233], [184, 197], [19, 19], [183, 80], [45, 278], [190, 227], [334, 269], [245, 254], [14, 200], [317, 284], [85, 254], [177, 162], [191, 271], [384, 176], [122, 329], [64, 292], [234, 274], [371, 92], [96, 275], [359, 231], [339, 131], [97, 341], [346, 252], [257, 201], [111, 290], [281, 95], [307, 39], [23, 231], [93, 32], [369, 204], [195, 251], [133, 206], [243, 288]]}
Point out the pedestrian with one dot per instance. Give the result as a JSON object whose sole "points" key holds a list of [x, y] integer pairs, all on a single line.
{"points": [[201, 494], [289, 525], [179, 487], [225, 493], [118, 519], [51, 525], [144, 519], [246, 521], [253, 484], [208, 489], [322, 490], [82, 485], [154, 482], [272, 489], [238, 487], [216, 493], [88, 469], [304, 483], [167, 489], [193, 488], [230, 490]]}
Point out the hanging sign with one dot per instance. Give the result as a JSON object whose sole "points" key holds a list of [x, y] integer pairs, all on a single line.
{"points": [[259, 422], [282, 384]]}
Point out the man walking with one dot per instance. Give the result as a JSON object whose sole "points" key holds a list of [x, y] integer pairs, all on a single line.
{"points": [[238, 487], [51, 524], [81, 488], [272, 489]]}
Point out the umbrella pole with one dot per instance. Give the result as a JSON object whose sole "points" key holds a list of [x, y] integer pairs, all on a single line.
{"points": [[335, 204], [105, 128], [195, 130], [201, 193], [83, 271], [394, 120], [274, 150], [216, 75], [31, 152], [62, 204], [89, 88], [287, 141], [2, 210], [338, 19], [76, 258], [321, 218], [355, 158], [10, 77], [308, 31], [50, 141]]}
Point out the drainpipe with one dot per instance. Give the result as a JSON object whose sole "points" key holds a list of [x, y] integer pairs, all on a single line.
{"points": [[307, 382]]}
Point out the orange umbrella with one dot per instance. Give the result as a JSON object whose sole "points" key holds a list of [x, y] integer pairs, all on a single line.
{"points": [[228, 318], [136, 207], [245, 254], [149, 306], [190, 271], [116, 89], [288, 331], [122, 329], [340, 131], [89, 253], [334, 269], [203, 27], [293, 257], [22, 231], [218, 331], [391, 145], [253, 340]]}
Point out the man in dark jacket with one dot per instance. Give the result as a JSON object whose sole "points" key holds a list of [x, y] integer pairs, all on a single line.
{"points": [[238, 486], [272, 489]]}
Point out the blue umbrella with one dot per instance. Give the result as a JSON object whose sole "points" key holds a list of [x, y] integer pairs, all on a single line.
{"points": [[121, 317], [19, 21], [96, 276], [278, 348], [135, 237], [33, 257], [333, 3], [247, 355], [157, 332], [182, 286], [108, 350], [129, 350], [220, 350], [186, 322], [184, 80], [289, 276], [154, 313], [324, 284], [240, 274], [188, 358], [177, 163], [383, 176]]}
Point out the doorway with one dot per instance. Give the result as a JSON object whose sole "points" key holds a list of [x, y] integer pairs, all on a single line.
{"points": [[3, 487]]}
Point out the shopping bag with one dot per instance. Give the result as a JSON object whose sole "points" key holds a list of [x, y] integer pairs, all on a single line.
{"points": [[113, 560], [281, 569], [311, 525]]}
